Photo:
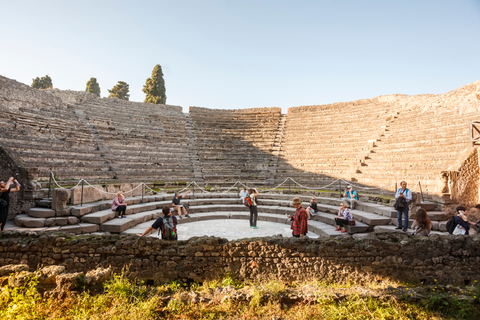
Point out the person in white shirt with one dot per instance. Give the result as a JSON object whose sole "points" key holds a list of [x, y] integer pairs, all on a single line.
{"points": [[243, 194], [406, 195]]}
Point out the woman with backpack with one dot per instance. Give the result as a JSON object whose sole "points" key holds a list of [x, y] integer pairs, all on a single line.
{"points": [[252, 195], [167, 225]]}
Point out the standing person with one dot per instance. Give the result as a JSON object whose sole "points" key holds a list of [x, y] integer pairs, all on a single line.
{"points": [[179, 207], [405, 196], [422, 225], [312, 209], [5, 199], [119, 205], [300, 220], [350, 196], [168, 225], [252, 195], [243, 194], [344, 217]]}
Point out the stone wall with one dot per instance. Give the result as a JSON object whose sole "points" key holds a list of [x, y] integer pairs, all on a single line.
{"points": [[462, 178], [437, 259], [468, 180]]}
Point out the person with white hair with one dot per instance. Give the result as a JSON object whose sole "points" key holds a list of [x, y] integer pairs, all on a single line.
{"points": [[350, 196]]}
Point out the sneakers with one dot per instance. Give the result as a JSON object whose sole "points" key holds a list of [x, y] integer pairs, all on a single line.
{"points": [[181, 217], [119, 217], [255, 227], [405, 229], [187, 216], [398, 228], [338, 229], [343, 231]]}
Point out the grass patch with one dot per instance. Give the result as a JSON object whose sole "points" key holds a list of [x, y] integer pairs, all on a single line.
{"points": [[228, 298]]}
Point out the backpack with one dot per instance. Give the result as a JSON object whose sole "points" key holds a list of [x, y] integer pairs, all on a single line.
{"points": [[247, 201], [451, 225], [169, 230]]}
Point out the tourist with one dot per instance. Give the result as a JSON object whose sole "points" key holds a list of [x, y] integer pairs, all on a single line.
{"points": [[344, 217], [312, 209], [252, 195], [350, 196], [403, 196], [5, 199], [300, 220], [422, 224], [119, 205], [243, 194], [167, 225], [463, 225], [179, 207]]}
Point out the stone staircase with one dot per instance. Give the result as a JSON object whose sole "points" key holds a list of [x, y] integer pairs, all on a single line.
{"points": [[277, 146], [196, 163]]}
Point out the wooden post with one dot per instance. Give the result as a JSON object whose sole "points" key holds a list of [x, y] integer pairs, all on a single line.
{"points": [[50, 185], [81, 198]]}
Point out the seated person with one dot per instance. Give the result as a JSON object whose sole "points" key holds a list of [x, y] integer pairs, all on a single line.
{"points": [[461, 220], [119, 205], [350, 196], [243, 194], [167, 224], [422, 225], [312, 209], [343, 218], [177, 206]]}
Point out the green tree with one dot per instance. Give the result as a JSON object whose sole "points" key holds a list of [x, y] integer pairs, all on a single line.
{"points": [[120, 90], [42, 83], [154, 87], [93, 86]]}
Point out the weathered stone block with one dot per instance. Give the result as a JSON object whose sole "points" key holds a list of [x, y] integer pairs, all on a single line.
{"points": [[60, 198]]}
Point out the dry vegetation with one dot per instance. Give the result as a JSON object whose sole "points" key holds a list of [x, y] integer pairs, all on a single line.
{"points": [[121, 298]]}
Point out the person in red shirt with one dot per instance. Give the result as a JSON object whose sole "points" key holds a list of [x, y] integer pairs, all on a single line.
{"points": [[300, 219]]}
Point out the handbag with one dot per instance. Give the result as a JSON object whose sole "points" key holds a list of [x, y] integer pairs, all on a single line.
{"points": [[458, 230], [351, 222], [3, 203], [399, 204]]}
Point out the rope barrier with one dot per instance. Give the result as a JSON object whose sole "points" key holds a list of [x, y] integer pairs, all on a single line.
{"points": [[236, 184]]}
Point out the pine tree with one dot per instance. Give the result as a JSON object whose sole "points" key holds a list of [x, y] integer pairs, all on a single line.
{"points": [[42, 83], [120, 91], [93, 86], [154, 87]]}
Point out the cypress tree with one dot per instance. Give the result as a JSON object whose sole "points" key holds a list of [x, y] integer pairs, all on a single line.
{"points": [[154, 87], [93, 86], [120, 90], [42, 83]]}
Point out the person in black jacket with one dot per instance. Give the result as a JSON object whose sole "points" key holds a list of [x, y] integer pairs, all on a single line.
{"points": [[5, 199], [312, 209], [158, 224]]}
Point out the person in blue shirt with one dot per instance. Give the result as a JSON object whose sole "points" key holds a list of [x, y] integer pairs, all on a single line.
{"points": [[350, 196], [406, 194]]}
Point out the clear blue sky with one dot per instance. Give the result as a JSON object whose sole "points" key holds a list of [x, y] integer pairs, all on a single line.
{"points": [[237, 54]]}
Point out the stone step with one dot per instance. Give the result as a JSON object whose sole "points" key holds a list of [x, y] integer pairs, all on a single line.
{"points": [[359, 227], [409, 231], [438, 215], [23, 220], [324, 230], [371, 219], [102, 216], [120, 225], [41, 212], [428, 206], [45, 203]]}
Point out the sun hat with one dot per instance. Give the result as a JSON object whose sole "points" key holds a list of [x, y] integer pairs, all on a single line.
{"points": [[296, 201]]}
